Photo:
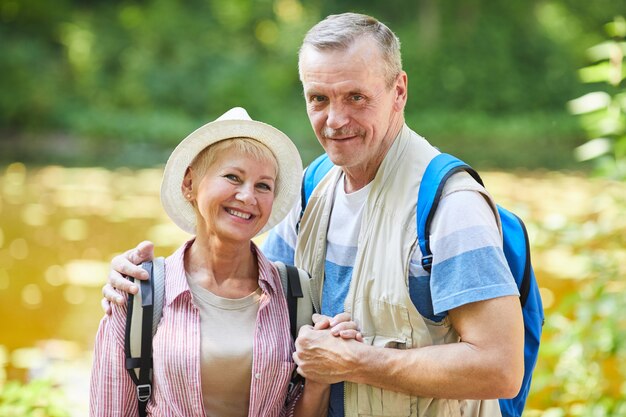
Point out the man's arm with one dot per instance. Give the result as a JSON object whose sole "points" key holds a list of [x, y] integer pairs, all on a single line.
{"points": [[126, 264], [487, 363], [277, 247]]}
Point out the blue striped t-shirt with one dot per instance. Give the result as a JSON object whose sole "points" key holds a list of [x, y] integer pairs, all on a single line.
{"points": [[468, 261]]}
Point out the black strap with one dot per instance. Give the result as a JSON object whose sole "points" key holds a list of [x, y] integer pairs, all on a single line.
{"points": [[524, 287], [294, 291], [144, 362], [144, 388], [302, 201]]}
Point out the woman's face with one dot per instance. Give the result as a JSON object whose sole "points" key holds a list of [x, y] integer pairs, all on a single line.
{"points": [[234, 197]]}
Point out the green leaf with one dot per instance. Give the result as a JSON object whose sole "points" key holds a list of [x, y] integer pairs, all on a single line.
{"points": [[589, 103]]}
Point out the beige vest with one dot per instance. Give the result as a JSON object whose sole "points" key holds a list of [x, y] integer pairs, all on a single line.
{"points": [[378, 298]]}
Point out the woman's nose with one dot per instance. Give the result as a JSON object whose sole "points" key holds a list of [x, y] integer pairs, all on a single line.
{"points": [[245, 194]]}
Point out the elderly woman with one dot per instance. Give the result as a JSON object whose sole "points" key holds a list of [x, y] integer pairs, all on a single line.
{"points": [[222, 347]]}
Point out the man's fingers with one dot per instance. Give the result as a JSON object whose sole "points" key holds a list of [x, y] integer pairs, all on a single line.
{"points": [[345, 325], [109, 293], [351, 334], [122, 283], [128, 263], [322, 324], [320, 321], [339, 318], [318, 317], [106, 306], [122, 265], [143, 252]]}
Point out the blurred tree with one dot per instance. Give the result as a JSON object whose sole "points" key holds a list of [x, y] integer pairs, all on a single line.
{"points": [[603, 113], [148, 72], [36, 398]]}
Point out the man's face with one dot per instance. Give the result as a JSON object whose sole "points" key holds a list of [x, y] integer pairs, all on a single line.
{"points": [[353, 111]]}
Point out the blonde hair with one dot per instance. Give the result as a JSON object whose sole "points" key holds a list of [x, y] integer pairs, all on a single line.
{"points": [[339, 32], [242, 145]]}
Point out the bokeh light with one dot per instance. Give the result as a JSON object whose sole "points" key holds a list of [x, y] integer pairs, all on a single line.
{"points": [[19, 248], [31, 295]]}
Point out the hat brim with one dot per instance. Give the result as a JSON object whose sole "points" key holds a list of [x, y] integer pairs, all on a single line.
{"points": [[287, 187]]}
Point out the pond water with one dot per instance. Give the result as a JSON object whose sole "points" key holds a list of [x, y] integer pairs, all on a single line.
{"points": [[59, 228]]}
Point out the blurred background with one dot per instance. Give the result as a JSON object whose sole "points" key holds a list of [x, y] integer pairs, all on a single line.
{"points": [[95, 94]]}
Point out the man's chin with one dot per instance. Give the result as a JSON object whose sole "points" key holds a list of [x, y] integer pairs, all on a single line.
{"points": [[341, 150]]}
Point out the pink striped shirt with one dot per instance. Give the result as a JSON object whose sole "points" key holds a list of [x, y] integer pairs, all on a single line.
{"points": [[176, 384]]}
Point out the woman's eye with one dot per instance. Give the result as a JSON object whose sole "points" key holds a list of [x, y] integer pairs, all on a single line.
{"points": [[231, 177], [265, 187]]}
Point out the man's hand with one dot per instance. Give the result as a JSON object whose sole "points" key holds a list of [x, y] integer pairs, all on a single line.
{"points": [[126, 264], [324, 352], [340, 326]]}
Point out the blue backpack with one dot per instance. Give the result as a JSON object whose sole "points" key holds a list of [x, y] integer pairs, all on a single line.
{"points": [[516, 250]]}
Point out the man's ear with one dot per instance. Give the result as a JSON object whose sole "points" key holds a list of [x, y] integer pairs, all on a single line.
{"points": [[187, 186], [401, 88]]}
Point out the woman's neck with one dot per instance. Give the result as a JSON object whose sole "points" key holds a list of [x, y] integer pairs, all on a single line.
{"points": [[226, 269]]}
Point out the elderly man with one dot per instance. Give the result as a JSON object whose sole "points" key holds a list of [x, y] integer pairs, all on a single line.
{"points": [[440, 344]]}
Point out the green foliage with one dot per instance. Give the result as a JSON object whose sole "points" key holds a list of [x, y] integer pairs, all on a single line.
{"points": [[38, 398], [602, 113], [110, 70], [509, 141], [581, 369], [150, 72]]}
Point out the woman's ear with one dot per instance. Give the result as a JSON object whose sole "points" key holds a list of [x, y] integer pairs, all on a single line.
{"points": [[187, 186]]}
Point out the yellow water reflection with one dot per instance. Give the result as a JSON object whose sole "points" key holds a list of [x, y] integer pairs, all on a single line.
{"points": [[58, 230], [60, 227]]}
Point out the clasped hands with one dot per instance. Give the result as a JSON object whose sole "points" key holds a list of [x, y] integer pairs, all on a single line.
{"points": [[327, 351]]}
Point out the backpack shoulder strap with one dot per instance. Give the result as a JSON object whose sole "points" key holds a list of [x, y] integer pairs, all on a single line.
{"points": [[313, 174], [297, 291], [142, 318], [158, 291], [440, 168]]}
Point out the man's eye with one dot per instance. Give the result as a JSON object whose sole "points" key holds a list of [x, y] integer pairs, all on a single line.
{"points": [[318, 99], [357, 97]]}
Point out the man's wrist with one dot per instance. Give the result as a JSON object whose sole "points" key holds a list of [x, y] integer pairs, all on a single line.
{"points": [[359, 362]]}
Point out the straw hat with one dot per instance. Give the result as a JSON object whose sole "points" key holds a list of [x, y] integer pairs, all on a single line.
{"points": [[234, 123]]}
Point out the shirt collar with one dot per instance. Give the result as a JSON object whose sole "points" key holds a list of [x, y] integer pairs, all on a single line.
{"points": [[176, 279]]}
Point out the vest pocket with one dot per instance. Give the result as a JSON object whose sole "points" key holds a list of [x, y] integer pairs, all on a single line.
{"points": [[431, 407], [374, 401]]}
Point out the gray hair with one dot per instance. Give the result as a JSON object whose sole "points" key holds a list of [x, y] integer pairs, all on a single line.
{"points": [[340, 31]]}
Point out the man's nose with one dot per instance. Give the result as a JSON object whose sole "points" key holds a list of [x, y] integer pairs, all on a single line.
{"points": [[337, 116]]}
